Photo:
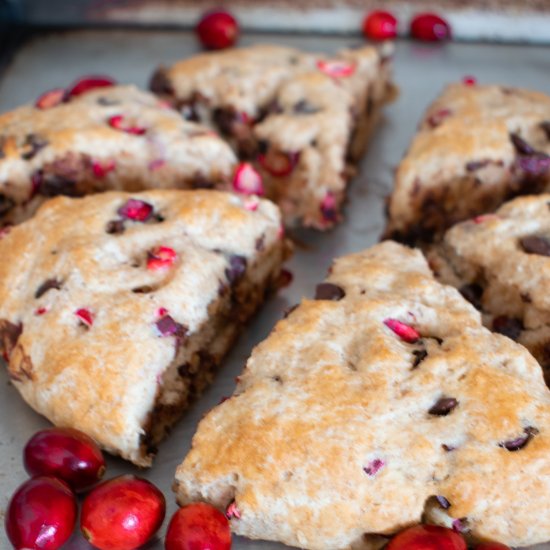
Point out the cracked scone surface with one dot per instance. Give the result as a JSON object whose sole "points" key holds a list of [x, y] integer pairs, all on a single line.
{"points": [[339, 428], [476, 147], [117, 137], [501, 263], [112, 332], [302, 119]]}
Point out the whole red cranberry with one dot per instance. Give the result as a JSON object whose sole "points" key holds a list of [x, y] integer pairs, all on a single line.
{"points": [[427, 537], [198, 526], [380, 25], [41, 514], [429, 27], [218, 30], [86, 83], [122, 513], [491, 546], [67, 454]]}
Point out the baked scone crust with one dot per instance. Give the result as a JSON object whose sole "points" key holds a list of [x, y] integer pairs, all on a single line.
{"points": [[311, 112], [80, 146], [335, 436], [476, 147], [101, 338]]}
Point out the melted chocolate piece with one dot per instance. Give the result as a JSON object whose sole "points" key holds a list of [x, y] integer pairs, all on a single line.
{"points": [[419, 356], [236, 269], [329, 291], [519, 442], [473, 293], [508, 326], [51, 185], [160, 83], [48, 284], [476, 165], [443, 406], [115, 227], [9, 334], [535, 244]]}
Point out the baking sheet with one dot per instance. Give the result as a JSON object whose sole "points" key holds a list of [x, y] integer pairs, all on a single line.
{"points": [[130, 56]]}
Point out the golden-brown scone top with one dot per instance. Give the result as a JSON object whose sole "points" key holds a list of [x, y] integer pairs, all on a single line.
{"points": [[342, 427], [116, 137], [476, 146]]}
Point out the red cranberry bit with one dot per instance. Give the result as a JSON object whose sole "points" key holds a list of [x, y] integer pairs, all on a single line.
{"points": [[329, 210], [161, 312], [484, 218], [427, 537], [251, 204], [469, 80], [41, 514], [161, 258], [156, 164], [122, 513], [166, 326], [492, 546], [40, 311], [279, 164], [373, 467], [67, 454], [429, 27], [460, 525], [336, 68], [100, 169], [232, 511], [198, 526], [5, 230], [118, 122], [218, 30], [380, 25], [136, 210], [247, 180], [85, 316], [51, 98], [438, 117], [285, 278], [87, 83], [404, 331]]}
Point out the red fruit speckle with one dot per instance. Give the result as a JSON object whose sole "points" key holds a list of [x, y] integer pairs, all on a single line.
{"points": [[247, 180], [438, 117], [404, 331], [136, 210], [161, 258], [5, 230], [484, 218], [373, 467], [232, 511], [285, 278], [336, 68], [429, 27], [156, 164], [51, 98], [122, 513], [41, 514], [218, 30], [166, 326], [427, 537], [85, 316], [279, 164], [161, 312], [251, 204], [198, 526], [380, 25], [40, 311], [328, 207], [492, 546], [87, 83], [469, 80], [100, 169], [118, 122], [67, 454]]}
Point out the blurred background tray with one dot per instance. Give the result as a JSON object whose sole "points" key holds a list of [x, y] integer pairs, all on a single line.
{"points": [[49, 59]]}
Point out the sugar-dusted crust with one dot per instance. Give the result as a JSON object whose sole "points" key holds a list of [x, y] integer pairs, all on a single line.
{"points": [[501, 262], [331, 438], [156, 334], [466, 158], [277, 105], [71, 149]]}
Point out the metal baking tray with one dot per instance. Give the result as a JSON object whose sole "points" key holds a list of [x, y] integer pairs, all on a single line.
{"points": [[56, 58]]}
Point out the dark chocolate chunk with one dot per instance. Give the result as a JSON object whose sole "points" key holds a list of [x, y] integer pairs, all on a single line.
{"points": [[184, 370], [160, 82], [473, 293], [143, 289], [545, 125], [225, 118], [2, 143], [115, 227], [509, 326], [189, 111], [476, 165], [51, 185], [201, 182], [6, 204], [32, 144], [419, 356], [448, 448], [329, 291], [535, 244], [521, 441], [522, 147], [304, 107], [236, 269], [443, 406], [48, 284]]}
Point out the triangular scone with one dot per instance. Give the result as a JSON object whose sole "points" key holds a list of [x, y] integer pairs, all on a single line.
{"points": [[116, 308], [365, 405], [302, 119], [476, 147], [501, 263], [116, 137]]}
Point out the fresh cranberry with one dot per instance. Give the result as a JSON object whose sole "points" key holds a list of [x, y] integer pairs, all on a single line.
{"points": [[85, 316], [122, 513], [279, 164], [136, 210], [41, 514], [87, 83], [198, 526], [100, 169], [492, 546], [427, 537], [429, 27], [67, 454], [404, 331], [469, 80], [218, 30], [51, 98], [336, 68], [247, 180], [161, 258], [118, 122], [40, 311], [380, 25], [285, 278]]}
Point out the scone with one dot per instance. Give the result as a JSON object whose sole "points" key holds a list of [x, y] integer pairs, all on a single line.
{"points": [[114, 137], [116, 308], [477, 146], [380, 402], [501, 263], [300, 121]]}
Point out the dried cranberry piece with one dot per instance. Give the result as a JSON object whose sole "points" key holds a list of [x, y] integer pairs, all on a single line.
{"points": [[236, 269], [118, 122], [51, 98], [329, 291], [285, 278], [438, 117], [373, 467], [443, 502], [87, 83], [521, 441], [473, 293], [460, 525], [100, 169], [247, 180], [32, 145], [168, 327], [427, 537], [380, 25], [85, 317], [430, 27], [443, 406], [161, 258], [522, 147], [136, 210], [536, 165], [535, 244], [277, 163], [404, 331], [40, 311], [329, 210], [336, 68], [492, 546], [469, 80], [48, 284], [509, 326], [218, 30]]}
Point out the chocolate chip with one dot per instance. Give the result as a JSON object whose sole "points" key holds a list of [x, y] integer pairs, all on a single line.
{"points": [[419, 356], [509, 326], [448, 448], [160, 82], [443, 502], [201, 182], [263, 146], [2, 144], [184, 370], [52, 185], [225, 118], [545, 125], [6, 204], [189, 111], [522, 147], [519, 442], [536, 244], [9, 334], [48, 284], [260, 243], [476, 165], [143, 289], [329, 291], [473, 293], [32, 144], [444, 406], [236, 269], [304, 107], [526, 298], [115, 227]]}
